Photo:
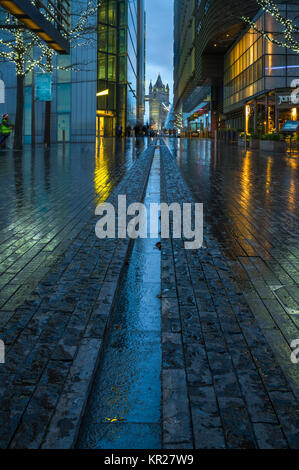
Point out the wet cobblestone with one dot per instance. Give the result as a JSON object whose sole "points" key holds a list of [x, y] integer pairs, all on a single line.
{"points": [[228, 310], [54, 336], [232, 373]]}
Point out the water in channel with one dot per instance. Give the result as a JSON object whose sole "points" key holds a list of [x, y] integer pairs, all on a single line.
{"points": [[124, 409]]}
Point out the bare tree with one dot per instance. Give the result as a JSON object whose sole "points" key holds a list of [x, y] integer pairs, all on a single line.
{"points": [[80, 35], [16, 46], [289, 37], [27, 52]]}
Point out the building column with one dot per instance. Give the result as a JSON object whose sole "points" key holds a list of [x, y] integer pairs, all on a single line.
{"points": [[267, 114], [276, 116], [255, 116], [215, 103]]}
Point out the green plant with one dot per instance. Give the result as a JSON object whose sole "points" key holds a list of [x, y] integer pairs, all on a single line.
{"points": [[272, 137], [255, 136]]}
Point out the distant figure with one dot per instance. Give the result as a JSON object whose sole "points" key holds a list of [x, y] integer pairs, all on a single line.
{"points": [[128, 131], [5, 129], [137, 130], [119, 131]]}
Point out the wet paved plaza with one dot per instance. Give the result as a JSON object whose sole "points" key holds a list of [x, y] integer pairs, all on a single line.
{"points": [[251, 207], [46, 198], [77, 311]]}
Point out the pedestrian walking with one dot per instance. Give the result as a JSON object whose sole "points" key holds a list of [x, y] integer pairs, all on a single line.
{"points": [[6, 129], [119, 131]]}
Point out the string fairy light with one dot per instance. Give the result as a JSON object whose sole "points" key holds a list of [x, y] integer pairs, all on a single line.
{"points": [[290, 28]]}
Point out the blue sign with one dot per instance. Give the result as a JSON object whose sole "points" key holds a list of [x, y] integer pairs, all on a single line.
{"points": [[290, 126], [43, 87]]}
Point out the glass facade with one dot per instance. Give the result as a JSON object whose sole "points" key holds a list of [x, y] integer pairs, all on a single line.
{"points": [[117, 64], [184, 47], [254, 64]]}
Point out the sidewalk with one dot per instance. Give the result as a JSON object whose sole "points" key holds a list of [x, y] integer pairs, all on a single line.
{"points": [[227, 378], [222, 385], [54, 339]]}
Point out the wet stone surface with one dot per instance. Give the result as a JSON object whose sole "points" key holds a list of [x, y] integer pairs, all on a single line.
{"points": [[235, 376], [124, 409], [209, 357], [54, 333]]}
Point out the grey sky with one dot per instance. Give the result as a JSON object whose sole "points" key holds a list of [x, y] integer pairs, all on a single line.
{"points": [[159, 41]]}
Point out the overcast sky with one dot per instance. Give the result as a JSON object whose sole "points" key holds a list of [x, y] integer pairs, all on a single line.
{"points": [[159, 42]]}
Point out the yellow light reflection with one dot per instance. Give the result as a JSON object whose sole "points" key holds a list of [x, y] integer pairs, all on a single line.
{"points": [[102, 179], [268, 180], [294, 114], [292, 196], [247, 117]]}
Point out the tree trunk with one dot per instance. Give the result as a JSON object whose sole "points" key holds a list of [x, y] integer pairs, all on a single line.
{"points": [[18, 140], [47, 133]]}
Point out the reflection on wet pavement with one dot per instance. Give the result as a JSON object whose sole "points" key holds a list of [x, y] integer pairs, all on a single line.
{"points": [[124, 411], [251, 208], [47, 196], [250, 201]]}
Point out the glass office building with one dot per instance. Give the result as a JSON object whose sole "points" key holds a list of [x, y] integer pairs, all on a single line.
{"points": [[113, 60], [204, 30], [121, 71], [259, 77]]}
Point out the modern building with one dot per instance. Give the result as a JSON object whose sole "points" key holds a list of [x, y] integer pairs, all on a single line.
{"points": [[113, 61], [260, 77], [158, 104], [204, 31], [121, 65]]}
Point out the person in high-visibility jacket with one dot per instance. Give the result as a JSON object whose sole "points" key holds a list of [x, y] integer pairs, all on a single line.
{"points": [[5, 129]]}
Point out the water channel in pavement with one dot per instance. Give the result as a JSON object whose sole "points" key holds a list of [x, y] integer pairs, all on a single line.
{"points": [[124, 409]]}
